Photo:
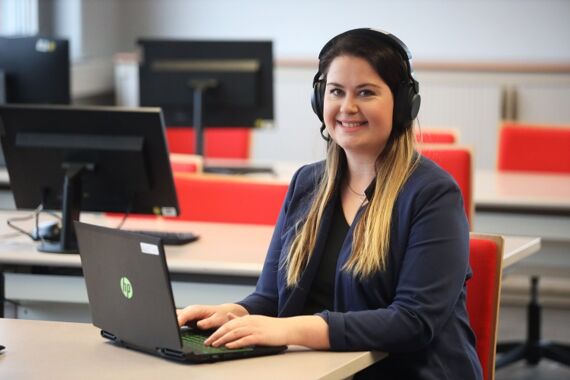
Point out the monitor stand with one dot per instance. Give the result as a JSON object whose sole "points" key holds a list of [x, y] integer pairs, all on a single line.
{"points": [[199, 87], [71, 208]]}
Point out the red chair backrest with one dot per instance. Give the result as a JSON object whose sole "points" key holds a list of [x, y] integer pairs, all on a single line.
{"points": [[185, 167], [525, 147], [218, 142], [186, 163], [483, 292], [435, 136], [229, 200], [456, 160]]}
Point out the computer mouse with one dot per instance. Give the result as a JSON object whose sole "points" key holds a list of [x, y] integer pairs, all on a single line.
{"points": [[47, 231]]}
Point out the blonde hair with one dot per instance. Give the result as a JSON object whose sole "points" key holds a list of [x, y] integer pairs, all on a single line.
{"points": [[371, 238]]}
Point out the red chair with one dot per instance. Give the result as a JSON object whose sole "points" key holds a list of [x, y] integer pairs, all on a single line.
{"points": [[538, 148], [186, 163], [227, 199], [457, 161], [218, 142], [437, 136], [483, 295], [545, 149]]}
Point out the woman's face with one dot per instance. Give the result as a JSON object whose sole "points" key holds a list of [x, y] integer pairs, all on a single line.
{"points": [[358, 107]]}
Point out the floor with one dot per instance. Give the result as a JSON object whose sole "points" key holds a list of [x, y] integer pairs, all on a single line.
{"points": [[555, 326]]}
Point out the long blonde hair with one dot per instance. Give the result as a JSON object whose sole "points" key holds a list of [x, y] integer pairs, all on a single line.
{"points": [[398, 159], [371, 239]]}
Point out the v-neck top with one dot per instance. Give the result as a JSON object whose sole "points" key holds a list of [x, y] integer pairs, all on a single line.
{"points": [[320, 296]]}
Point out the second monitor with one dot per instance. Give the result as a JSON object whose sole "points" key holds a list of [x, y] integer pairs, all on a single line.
{"points": [[35, 70], [208, 83], [87, 159]]}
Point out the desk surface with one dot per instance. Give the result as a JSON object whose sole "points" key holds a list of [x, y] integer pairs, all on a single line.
{"points": [[62, 350], [223, 249], [514, 191]]}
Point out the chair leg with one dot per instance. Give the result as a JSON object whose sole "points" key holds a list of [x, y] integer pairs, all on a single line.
{"points": [[513, 355], [558, 352], [507, 346], [533, 349]]}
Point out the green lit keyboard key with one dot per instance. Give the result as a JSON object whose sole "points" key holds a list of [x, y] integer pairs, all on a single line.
{"points": [[196, 343]]}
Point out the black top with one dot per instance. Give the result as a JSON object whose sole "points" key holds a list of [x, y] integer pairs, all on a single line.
{"points": [[321, 293]]}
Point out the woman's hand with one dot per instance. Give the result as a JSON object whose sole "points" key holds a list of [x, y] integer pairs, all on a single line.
{"points": [[209, 316], [309, 331]]}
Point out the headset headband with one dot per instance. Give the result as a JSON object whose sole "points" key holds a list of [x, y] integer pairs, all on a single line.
{"points": [[394, 41]]}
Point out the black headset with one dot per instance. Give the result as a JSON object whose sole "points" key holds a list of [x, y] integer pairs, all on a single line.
{"points": [[407, 98]]}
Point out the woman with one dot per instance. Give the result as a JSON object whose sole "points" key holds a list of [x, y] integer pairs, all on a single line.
{"points": [[370, 251]]}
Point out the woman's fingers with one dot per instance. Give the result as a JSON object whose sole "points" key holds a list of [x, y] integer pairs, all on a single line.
{"points": [[248, 340], [193, 313], [213, 321], [228, 335]]}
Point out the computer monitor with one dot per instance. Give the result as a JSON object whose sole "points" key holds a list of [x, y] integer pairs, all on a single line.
{"points": [[36, 70], [87, 159], [2, 87], [208, 83]]}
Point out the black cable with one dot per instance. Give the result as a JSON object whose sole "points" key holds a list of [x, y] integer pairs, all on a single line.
{"points": [[10, 222], [35, 214], [129, 208]]}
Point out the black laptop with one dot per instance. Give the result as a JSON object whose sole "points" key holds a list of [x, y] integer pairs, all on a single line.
{"points": [[131, 301]]}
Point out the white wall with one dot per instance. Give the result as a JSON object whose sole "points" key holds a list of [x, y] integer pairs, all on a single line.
{"points": [[494, 30], [435, 30], [525, 31]]}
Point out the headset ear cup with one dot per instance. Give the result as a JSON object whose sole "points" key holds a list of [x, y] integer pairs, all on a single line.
{"points": [[317, 98], [406, 105], [415, 105], [401, 106]]}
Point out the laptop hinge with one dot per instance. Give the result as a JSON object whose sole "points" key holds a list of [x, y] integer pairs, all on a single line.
{"points": [[108, 335], [170, 353]]}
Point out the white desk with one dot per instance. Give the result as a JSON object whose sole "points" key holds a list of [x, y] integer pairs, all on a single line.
{"points": [[59, 350], [223, 249], [527, 204], [517, 248], [520, 191], [222, 266]]}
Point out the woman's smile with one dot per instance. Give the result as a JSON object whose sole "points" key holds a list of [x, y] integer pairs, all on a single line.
{"points": [[351, 123]]}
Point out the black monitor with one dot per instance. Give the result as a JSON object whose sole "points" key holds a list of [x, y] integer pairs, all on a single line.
{"points": [[87, 159], [208, 83], [2, 87], [36, 70]]}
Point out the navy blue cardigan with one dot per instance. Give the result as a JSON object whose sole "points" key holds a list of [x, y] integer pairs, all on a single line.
{"points": [[415, 309]]}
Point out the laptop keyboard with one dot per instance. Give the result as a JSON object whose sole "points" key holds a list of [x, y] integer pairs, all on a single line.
{"points": [[196, 343]]}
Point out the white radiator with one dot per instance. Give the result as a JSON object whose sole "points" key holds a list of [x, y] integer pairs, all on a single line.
{"points": [[474, 109]]}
